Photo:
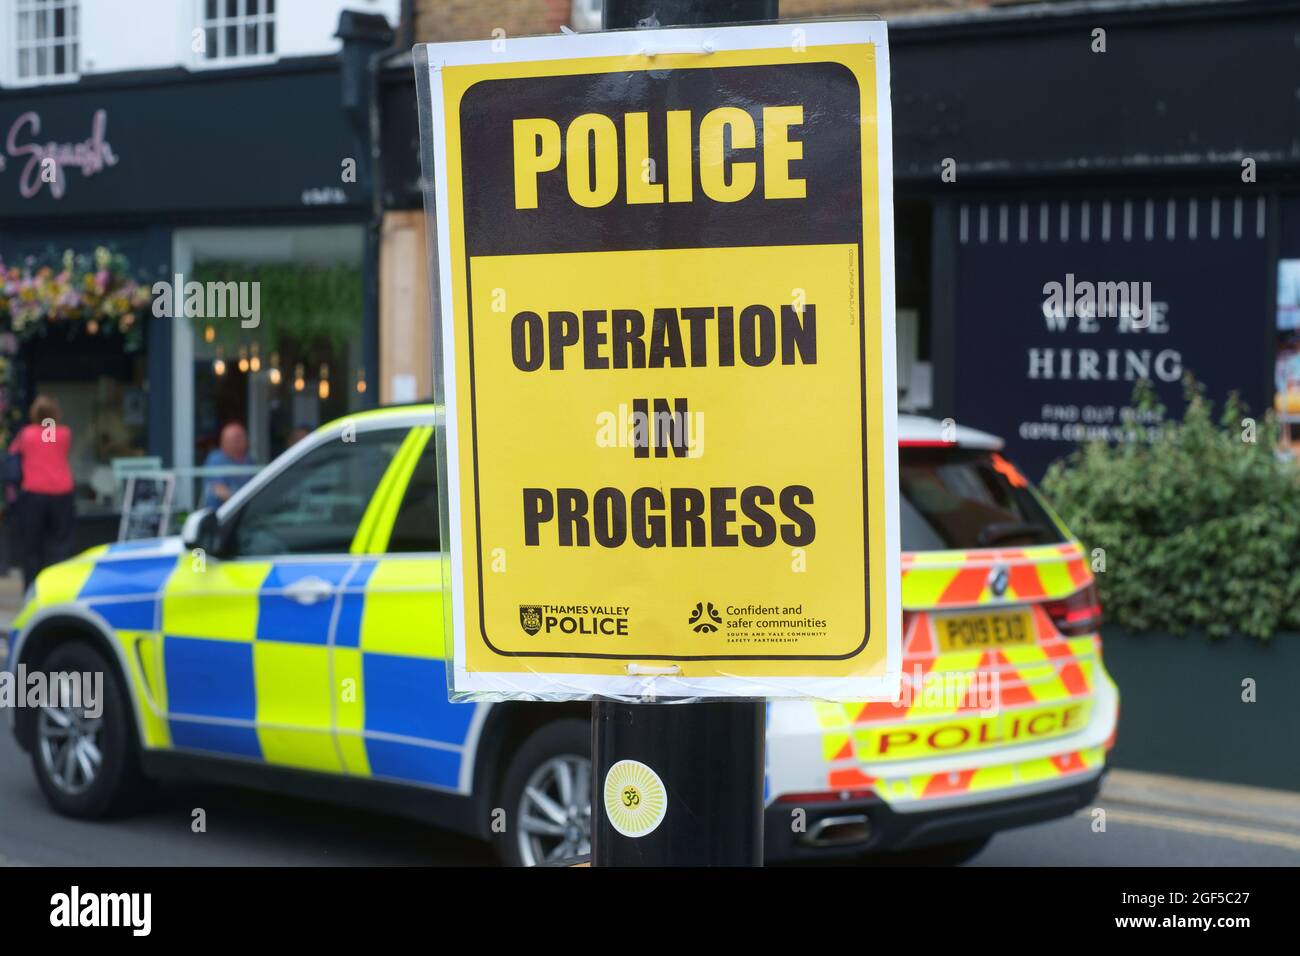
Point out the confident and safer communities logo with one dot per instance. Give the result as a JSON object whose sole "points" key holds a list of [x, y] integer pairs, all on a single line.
{"points": [[702, 621]]}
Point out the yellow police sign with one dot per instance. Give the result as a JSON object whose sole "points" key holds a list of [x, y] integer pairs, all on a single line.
{"points": [[666, 292]]}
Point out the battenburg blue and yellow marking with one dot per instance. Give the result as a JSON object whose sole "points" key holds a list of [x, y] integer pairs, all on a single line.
{"points": [[229, 658]]}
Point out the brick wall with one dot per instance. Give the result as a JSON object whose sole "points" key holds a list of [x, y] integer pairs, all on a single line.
{"points": [[476, 19], [437, 20]]}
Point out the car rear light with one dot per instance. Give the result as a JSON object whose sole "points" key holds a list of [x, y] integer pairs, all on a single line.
{"points": [[1078, 614]]}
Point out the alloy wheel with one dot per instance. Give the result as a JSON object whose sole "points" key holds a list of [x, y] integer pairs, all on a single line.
{"points": [[555, 811], [70, 749]]}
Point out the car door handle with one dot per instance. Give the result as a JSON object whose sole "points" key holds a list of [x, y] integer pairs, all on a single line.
{"points": [[309, 590]]}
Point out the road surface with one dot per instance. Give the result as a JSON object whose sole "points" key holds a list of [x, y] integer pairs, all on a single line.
{"points": [[253, 829]]}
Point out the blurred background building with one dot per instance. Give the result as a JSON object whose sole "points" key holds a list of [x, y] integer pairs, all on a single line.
{"points": [[276, 141], [1147, 141], [205, 140]]}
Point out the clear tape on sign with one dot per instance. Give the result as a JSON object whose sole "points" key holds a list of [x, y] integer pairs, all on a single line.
{"points": [[639, 670], [667, 685], [652, 51]]}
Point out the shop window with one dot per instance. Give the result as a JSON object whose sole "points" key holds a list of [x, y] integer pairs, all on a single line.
{"points": [[47, 39], [103, 394], [237, 29], [298, 369]]}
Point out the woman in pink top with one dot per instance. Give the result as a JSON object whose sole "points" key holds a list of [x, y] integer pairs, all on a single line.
{"points": [[46, 513]]}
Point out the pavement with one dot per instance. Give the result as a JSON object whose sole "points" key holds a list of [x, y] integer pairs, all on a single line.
{"points": [[1146, 819], [1227, 805]]}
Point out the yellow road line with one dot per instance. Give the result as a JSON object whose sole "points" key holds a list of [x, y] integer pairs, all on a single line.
{"points": [[1289, 841]]}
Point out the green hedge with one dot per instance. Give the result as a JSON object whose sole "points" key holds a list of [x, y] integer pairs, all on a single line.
{"points": [[1200, 527]]}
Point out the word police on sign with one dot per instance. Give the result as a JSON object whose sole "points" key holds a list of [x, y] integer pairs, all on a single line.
{"points": [[668, 229]]}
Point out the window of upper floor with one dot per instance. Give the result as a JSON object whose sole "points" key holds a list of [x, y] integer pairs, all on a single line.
{"points": [[46, 45], [231, 31], [60, 41]]}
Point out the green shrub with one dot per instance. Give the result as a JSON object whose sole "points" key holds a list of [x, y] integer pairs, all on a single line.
{"points": [[1200, 527]]}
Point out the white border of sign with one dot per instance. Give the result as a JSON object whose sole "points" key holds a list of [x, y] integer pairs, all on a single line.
{"points": [[631, 43]]}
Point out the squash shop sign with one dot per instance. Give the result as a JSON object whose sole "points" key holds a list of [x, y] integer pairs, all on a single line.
{"points": [[42, 163]]}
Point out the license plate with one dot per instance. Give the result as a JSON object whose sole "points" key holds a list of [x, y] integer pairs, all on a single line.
{"points": [[964, 632]]}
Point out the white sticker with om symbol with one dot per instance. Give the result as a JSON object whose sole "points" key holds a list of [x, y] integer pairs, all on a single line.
{"points": [[635, 798]]}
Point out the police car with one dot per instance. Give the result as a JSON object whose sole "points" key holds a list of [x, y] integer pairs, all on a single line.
{"points": [[292, 640]]}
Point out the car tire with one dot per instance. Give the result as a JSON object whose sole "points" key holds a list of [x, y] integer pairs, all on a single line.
{"points": [[547, 787], [76, 784]]}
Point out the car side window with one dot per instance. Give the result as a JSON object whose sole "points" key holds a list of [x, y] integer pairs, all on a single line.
{"points": [[316, 504], [416, 527]]}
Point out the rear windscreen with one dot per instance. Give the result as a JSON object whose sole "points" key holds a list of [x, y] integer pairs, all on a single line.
{"points": [[962, 498]]}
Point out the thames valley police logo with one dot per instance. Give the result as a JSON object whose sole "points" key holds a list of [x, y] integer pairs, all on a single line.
{"points": [[530, 618]]}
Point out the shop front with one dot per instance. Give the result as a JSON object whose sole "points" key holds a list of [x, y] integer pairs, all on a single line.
{"points": [[1068, 304], [122, 195], [291, 358], [1053, 148], [1110, 201]]}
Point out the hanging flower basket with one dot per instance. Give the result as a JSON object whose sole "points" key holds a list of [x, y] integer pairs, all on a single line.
{"points": [[81, 295], [90, 295]]}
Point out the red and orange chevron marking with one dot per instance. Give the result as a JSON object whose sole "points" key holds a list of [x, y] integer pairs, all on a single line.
{"points": [[959, 701]]}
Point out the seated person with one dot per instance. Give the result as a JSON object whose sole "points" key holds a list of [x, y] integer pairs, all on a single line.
{"points": [[233, 450]]}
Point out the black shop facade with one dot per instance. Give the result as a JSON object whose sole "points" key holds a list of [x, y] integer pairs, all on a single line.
{"points": [[1078, 212], [1075, 212], [115, 184]]}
